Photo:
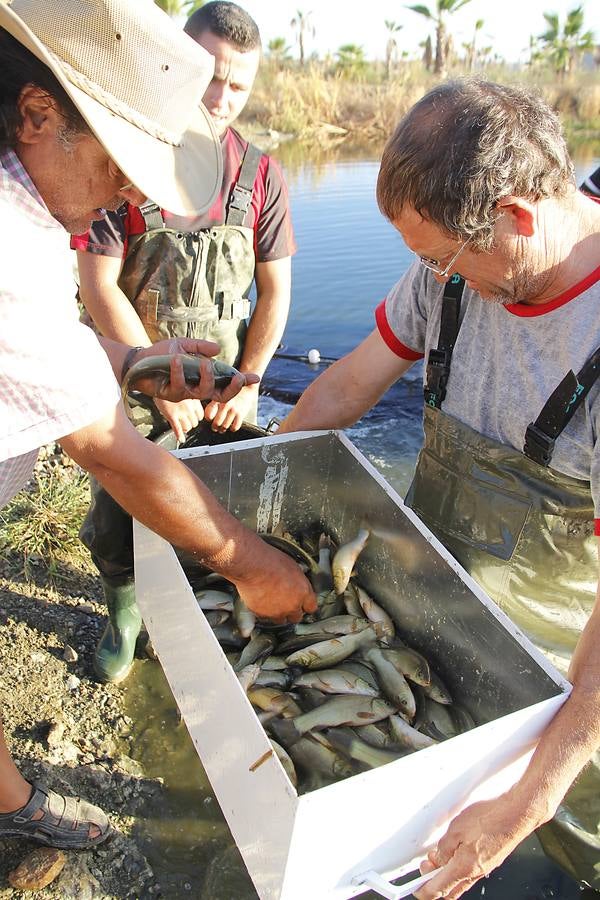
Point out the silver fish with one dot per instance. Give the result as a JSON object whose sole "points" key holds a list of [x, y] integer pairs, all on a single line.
{"points": [[273, 700], [310, 755], [333, 625], [258, 647], [375, 613], [277, 679], [286, 761], [329, 604], [325, 654], [407, 736], [244, 617], [336, 681], [350, 596], [437, 690], [344, 559], [216, 616], [394, 684], [360, 668], [273, 663], [211, 599], [350, 709], [248, 675], [410, 663], [435, 719], [322, 580], [377, 735], [347, 742]]}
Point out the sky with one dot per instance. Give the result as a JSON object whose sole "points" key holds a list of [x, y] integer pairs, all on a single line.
{"points": [[507, 27]]}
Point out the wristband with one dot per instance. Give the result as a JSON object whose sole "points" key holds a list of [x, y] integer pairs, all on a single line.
{"points": [[128, 361]]}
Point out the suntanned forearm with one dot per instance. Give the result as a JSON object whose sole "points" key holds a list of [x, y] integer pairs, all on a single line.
{"points": [[113, 314], [164, 495], [267, 324], [348, 388], [572, 736]]}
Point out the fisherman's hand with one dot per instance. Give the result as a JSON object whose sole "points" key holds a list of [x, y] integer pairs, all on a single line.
{"points": [[477, 842], [176, 388], [182, 416], [281, 592], [231, 415]]}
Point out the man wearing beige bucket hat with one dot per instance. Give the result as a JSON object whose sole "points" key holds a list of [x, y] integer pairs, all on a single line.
{"points": [[100, 102]]}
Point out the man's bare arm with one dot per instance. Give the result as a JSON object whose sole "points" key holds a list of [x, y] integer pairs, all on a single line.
{"points": [[481, 837], [348, 388], [113, 314], [273, 288], [179, 507]]}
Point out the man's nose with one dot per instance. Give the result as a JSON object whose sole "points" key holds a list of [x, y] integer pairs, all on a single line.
{"points": [[133, 195]]}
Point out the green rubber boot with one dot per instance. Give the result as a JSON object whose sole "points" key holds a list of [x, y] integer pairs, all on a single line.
{"points": [[114, 654]]}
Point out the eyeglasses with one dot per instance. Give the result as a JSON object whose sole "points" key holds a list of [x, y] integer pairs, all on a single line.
{"points": [[434, 265]]}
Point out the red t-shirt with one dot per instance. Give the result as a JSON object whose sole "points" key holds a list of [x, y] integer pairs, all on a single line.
{"points": [[268, 215]]}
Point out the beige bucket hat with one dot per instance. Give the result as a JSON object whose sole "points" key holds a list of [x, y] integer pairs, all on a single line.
{"points": [[137, 80]]}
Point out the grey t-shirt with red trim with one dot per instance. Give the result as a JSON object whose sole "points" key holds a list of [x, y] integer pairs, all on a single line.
{"points": [[507, 361]]}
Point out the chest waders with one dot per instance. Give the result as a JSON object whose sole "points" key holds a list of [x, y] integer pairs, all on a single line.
{"points": [[181, 285], [526, 534], [195, 284]]}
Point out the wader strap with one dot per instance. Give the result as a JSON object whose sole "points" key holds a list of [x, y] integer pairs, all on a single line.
{"points": [[558, 411], [438, 363], [241, 195], [152, 216]]}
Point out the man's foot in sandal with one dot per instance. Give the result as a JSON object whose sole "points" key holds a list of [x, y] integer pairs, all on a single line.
{"points": [[64, 822]]}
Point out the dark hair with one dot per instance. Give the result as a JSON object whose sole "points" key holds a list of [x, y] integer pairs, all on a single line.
{"points": [[466, 144], [228, 21], [20, 68]]}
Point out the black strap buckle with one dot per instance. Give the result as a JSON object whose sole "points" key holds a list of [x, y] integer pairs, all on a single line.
{"points": [[240, 199], [538, 445], [438, 370]]}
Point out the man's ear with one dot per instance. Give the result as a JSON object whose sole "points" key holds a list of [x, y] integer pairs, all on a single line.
{"points": [[39, 114], [521, 213]]}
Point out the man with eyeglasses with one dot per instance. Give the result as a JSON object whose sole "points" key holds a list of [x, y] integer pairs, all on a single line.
{"points": [[503, 305]]}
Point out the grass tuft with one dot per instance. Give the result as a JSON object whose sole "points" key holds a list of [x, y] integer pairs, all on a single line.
{"points": [[41, 525]]}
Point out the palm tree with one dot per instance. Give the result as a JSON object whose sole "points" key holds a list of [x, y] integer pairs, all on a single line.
{"points": [[471, 47], [301, 22], [442, 9], [278, 51], [351, 59], [563, 47], [179, 7], [391, 48]]}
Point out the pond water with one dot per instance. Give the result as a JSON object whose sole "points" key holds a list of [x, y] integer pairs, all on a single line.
{"points": [[348, 258]]}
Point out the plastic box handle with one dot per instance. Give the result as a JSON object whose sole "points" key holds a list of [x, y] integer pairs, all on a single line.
{"points": [[384, 888]]}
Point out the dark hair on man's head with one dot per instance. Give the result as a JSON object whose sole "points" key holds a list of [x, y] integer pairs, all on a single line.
{"points": [[228, 21], [464, 146], [19, 69]]}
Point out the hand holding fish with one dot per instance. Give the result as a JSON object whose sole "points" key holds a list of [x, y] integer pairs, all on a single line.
{"points": [[283, 594], [477, 841], [181, 369]]}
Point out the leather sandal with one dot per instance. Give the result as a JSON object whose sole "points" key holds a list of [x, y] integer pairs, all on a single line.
{"points": [[65, 821]]}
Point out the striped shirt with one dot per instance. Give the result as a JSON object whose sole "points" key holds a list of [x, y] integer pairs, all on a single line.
{"points": [[54, 376]]}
